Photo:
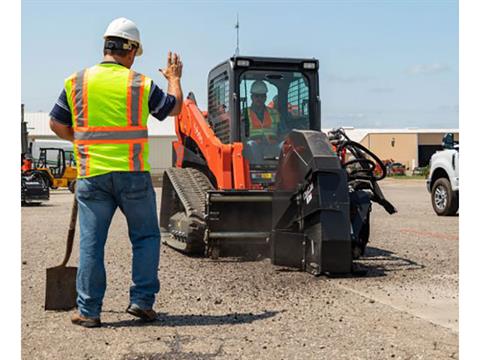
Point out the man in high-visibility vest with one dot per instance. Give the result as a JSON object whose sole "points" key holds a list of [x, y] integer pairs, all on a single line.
{"points": [[103, 110], [263, 120]]}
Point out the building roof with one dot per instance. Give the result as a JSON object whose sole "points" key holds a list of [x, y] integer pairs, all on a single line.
{"points": [[38, 125]]}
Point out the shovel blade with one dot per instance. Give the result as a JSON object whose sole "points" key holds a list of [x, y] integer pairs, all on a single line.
{"points": [[61, 292]]}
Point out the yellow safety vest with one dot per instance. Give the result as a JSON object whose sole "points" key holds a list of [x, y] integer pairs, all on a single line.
{"points": [[109, 105]]}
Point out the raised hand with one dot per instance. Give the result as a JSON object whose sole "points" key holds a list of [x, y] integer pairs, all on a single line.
{"points": [[173, 71]]}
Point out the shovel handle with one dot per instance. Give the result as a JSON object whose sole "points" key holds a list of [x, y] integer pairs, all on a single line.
{"points": [[71, 230]]}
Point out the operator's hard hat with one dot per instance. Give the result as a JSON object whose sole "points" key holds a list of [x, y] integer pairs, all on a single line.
{"points": [[125, 29], [258, 87]]}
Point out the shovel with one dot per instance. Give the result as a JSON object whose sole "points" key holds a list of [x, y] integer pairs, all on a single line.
{"points": [[61, 292]]}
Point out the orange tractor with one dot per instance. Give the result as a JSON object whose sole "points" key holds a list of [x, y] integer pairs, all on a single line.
{"points": [[287, 192]]}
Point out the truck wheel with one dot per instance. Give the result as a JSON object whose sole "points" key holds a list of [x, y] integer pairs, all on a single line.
{"points": [[444, 199]]}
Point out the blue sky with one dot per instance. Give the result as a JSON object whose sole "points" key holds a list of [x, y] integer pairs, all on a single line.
{"points": [[383, 64]]}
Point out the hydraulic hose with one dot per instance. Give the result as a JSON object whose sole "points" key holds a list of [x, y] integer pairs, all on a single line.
{"points": [[342, 142], [359, 151]]}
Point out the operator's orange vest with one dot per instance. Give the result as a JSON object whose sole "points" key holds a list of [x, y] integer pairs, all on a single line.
{"points": [[257, 124], [267, 127]]}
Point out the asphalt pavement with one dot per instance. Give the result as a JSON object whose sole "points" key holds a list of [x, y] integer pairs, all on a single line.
{"points": [[405, 307]]}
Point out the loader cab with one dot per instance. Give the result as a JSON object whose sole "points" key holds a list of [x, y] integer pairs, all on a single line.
{"points": [[261, 123]]}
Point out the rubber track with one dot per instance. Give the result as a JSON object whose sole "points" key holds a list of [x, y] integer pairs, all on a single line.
{"points": [[191, 186]]}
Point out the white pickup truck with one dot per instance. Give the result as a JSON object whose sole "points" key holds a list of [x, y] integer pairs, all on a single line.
{"points": [[443, 179]]}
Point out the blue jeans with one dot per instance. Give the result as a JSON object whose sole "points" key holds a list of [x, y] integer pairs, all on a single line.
{"points": [[98, 198]]}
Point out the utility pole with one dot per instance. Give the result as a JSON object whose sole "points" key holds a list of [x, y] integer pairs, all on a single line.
{"points": [[237, 26]]}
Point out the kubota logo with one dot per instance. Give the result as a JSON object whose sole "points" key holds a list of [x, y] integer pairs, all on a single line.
{"points": [[197, 133], [307, 195]]}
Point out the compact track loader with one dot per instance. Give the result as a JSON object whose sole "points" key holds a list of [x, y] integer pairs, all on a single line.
{"points": [[294, 194]]}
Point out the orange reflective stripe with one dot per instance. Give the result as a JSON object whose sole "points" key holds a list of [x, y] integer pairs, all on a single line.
{"points": [[74, 108], [119, 141]]}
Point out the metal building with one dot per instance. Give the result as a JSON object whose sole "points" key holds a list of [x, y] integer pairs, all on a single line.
{"points": [[411, 147]]}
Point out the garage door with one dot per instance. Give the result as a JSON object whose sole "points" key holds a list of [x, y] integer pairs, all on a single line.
{"points": [[425, 152]]}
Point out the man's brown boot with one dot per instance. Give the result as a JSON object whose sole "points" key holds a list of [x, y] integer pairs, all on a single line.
{"points": [[79, 319], [147, 315]]}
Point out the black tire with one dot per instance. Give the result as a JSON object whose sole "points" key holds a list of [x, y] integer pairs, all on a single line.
{"points": [[358, 249], [444, 199]]}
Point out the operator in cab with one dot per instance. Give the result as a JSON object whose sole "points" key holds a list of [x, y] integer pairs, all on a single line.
{"points": [[263, 120]]}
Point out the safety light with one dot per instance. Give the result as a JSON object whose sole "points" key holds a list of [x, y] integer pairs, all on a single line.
{"points": [[243, 63], [309, 65]]}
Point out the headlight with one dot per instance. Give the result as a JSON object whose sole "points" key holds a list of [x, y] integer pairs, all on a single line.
{"points": [[243, 63], [309, 65]]}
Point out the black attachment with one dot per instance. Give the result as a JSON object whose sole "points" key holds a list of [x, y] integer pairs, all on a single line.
{"points": [[311, 207], [239, 223]]}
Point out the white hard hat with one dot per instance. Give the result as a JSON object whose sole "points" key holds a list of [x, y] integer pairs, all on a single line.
{"points": [[125, 29], [258, 87]]}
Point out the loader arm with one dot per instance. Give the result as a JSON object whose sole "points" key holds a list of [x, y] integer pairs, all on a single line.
{"points": [[224, 161]]}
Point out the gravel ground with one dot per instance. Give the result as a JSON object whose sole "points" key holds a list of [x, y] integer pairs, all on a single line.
{"points": [[406, 307]]}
